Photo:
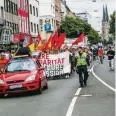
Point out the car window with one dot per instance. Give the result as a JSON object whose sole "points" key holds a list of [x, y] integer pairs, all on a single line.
{"points": [[20, 66], [38, 64]]}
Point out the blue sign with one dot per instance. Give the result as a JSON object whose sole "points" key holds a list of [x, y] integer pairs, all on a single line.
{"points": [[47, 27]]}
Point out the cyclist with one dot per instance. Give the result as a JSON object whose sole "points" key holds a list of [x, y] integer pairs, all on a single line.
{"points": [[111, 54]]}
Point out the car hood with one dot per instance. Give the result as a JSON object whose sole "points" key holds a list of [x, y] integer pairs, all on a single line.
{"points": [[17, 76]]}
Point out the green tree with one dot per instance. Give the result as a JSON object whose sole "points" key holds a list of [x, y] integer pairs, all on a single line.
{"points": [[112, 24], [93, 36], [73, 25]]}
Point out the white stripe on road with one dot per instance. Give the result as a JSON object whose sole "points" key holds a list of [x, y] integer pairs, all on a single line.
{"points": [[102, 81], [72, 104], [86, 95], [78, 91]]}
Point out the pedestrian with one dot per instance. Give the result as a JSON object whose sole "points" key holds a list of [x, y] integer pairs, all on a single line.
{"points": [[3, 59], [81, 65], [101, 54], [73, 64], [111, 54], [95, 53], [89, 56]]}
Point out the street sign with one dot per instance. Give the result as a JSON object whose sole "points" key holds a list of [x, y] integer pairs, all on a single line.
{"points": [[47, 27]]}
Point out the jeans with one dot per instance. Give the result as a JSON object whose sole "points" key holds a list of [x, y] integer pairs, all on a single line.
{"points": [[82, 71], [111, 63], [101, 59]]}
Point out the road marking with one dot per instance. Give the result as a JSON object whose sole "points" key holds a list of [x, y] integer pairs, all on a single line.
{"points": [[72, 104], [86, 95], [102, 80], [78, 91]]}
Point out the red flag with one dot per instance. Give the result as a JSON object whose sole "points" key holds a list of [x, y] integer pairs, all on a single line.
{"points": [[79, 39], [54, 38], [30, 39], [60, 40], [16, 38], [49, 43], [39, 38]]}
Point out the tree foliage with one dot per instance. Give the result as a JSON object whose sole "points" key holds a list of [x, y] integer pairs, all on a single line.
{"points": [[112, 24], [73, 25]]}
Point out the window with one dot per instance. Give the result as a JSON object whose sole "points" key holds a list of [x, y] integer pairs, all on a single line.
{"points": [[34, 27], [9, 24], [41, 21], [2, 12], [8, 5], [16, 10], [37, 28], [34, 10], [31, 27], [37, 12], [17, 28], [30, 9], [26, 65], [11, 7], [52, 22]]}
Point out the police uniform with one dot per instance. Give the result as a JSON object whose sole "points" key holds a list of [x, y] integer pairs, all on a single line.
{"points": [[81, 65]]}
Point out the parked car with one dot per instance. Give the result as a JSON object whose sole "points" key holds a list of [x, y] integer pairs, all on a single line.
{"points": [[23, 74]]}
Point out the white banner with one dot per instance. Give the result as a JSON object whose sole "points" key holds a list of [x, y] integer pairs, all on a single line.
{"points": [[56, 64]]}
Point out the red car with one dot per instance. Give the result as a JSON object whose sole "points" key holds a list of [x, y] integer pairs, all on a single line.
{"points": [[23, 75]]}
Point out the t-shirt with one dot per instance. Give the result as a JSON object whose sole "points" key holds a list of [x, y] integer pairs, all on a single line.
{"points": [[111, 52], [100, 52]]}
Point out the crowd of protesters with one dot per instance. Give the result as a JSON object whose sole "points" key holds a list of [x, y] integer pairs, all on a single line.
{"points": [[92, 54]]}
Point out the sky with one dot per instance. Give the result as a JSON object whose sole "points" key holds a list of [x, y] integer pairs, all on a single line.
{"points": [[87, 5]]}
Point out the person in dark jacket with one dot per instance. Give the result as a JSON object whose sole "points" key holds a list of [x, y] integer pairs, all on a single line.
{"points": [[111, 54]]}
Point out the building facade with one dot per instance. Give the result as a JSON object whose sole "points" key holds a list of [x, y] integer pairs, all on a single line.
{"points": [[58, 13], [11, 15], [47, 18], [84, 16], [2, 18], [9, 22], [34, 17], [63, 9], [23, 8]]}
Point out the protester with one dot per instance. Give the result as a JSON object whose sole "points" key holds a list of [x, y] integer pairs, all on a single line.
{"points": [[81, 65], [101, 54], [111, 55], [3, 59], [73, 62], [86, 50], [89, 55], [95, 53]]}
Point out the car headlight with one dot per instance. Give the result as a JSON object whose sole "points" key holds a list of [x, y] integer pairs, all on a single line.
{"points": [[31, 78], [2, 82]]}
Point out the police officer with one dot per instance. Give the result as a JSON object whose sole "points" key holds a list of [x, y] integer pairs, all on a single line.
{"points": [[81, 65]]}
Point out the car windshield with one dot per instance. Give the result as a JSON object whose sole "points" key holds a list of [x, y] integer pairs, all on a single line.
{"points": [[20, 66]]}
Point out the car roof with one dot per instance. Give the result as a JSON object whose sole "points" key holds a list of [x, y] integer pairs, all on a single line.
{"points": [[22, 59]]}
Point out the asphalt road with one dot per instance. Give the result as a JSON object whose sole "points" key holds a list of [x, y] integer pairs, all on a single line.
{"points": [[56, 100]]}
